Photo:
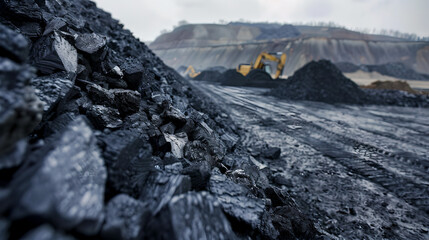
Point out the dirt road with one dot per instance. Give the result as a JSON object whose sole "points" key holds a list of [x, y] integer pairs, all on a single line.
{"points": [[360, 172]]}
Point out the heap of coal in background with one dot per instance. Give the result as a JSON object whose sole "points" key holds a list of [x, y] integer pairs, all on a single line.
{"points": [[322, 81], [100, 140], [209, 75]]}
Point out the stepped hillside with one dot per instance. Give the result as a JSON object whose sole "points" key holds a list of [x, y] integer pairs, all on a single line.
{"points": [[206, 45]]}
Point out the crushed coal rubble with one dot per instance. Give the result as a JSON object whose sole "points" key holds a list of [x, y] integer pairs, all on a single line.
{"points": [[100, 139], [322, 81]]}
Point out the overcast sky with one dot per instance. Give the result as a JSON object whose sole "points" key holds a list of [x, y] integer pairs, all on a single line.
{"points": [[146, 19]]}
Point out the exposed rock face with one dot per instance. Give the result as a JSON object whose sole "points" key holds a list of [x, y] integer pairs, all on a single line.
{"points": [[99, 139]]}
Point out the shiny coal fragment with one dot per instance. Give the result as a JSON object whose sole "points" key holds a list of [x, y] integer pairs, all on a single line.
{"points": [[53, 53], [46, 232], [51, 89], [191, 216], [67, 184], [104, 117], [20, 109], [124, 218], [90, 42], [161, 187]]}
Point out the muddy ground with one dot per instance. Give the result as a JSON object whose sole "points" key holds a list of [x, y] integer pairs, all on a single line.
{"points": [[361, 172]]}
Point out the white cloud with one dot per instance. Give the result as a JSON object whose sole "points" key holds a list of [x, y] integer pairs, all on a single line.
{"points": [[147, 18]]}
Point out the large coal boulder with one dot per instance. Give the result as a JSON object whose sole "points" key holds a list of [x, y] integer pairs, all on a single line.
{"points": [[70, 194], [320, 81], [191, 216]]}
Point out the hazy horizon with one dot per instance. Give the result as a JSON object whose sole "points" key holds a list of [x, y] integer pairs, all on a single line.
{"points": [[148, 19]]}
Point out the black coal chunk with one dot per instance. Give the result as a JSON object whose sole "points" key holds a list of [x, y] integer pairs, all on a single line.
{"points": [[51, 89], [53, 53], [124, 218], [13, 156], [20, 109], [127, 101], [46, 232], [4, 225], [191, 216], [128, 157], [271, 152], [292, 224], [100, 95], [160, 188], [66, 186], [133, 72], [26, 9], [13, 45], [320, 81], [90, 42], [248, 212], [57, 23], [104, 117]]}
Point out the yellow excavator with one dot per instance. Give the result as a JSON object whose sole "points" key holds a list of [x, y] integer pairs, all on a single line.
{"points": [[192, 72], [280, 58]]}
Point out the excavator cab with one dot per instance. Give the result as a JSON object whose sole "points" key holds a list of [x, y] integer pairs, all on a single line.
{"points": [[267, 68]]}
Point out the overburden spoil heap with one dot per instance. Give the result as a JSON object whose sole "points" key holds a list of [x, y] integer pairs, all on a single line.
{"points": [[99, 139], [322, 81]]}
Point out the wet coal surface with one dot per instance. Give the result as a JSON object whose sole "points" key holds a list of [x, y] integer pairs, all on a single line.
{"points": [[361, 172]]}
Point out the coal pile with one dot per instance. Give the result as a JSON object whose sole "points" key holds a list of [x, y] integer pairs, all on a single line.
{"points": [[100, 140], [208, 75], [256, 78], [320, 81]]}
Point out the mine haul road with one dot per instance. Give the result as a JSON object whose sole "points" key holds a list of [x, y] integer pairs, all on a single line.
{"points": [[361, 172]]}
